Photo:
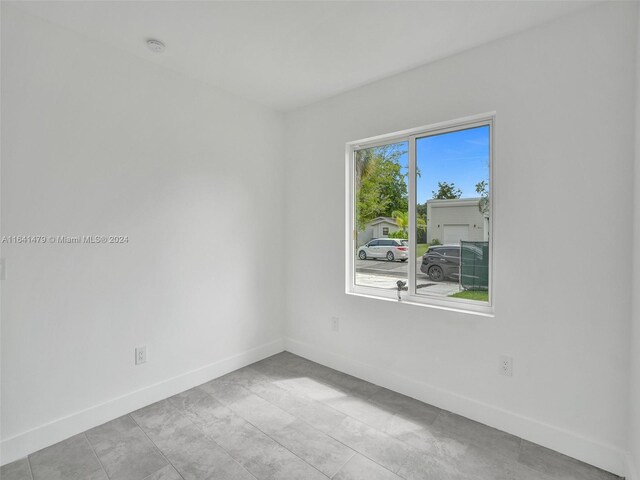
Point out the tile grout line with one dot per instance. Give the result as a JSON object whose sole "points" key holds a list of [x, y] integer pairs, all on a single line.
{"points": [[311, 400], [174, 469], [84, 434], [440, 413], [404, 464], [248, 389], [312, 403], [348, 416], [519, 450], [327, 381], [30, 469], [374, 461], [304, 397], [284, 411], [276, 441], [518, 462], [254, 426], [324, 379], [157, 448], [343, 465], [207, 436]]}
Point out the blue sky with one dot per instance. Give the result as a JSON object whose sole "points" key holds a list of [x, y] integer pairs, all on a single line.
{"points": [[461, 157]]}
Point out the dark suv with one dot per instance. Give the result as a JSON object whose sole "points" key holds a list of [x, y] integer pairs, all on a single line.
{"points": [[441, 262]]}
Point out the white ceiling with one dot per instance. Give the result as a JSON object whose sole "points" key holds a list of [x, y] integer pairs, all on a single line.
{"points": [[289, 54]]}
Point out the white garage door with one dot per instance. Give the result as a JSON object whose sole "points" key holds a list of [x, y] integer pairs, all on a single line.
{"points": [[454, 233]]}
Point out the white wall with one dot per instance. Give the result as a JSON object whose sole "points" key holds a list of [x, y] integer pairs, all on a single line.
{"points": [[563, 163], [96, 142], [634, 422]]}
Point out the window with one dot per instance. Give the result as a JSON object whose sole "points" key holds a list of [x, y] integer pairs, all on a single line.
{"points": [[434, 183]]}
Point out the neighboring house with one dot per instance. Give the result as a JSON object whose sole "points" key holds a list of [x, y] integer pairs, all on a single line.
{"points": [[450, 221], [377, 228]]}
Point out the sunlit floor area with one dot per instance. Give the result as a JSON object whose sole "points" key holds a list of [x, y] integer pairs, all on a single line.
{"points": [[289, 418]]}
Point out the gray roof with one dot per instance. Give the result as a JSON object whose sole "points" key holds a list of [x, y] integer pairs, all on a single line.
{"points": [[378, 220]]}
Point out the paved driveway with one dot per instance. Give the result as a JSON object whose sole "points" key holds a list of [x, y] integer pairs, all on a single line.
{"points": [[384, 274]]}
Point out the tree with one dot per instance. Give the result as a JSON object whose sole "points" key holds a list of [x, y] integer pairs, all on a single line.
{"points": [[402, 221], [421, 219], [447, 191], [421, 225], [367, 157], [482, 189], [381, 186], [421, 210]]}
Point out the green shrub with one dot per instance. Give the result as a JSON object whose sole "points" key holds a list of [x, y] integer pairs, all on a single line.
{"points": [[434, 242], [398, 234]]}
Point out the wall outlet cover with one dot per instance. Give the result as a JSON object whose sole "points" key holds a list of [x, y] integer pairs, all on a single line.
{"points": [[506, 366], [141, 355], [335, 324]]}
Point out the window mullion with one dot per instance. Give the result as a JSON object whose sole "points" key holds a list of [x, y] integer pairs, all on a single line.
{"points": [[412, 217]]}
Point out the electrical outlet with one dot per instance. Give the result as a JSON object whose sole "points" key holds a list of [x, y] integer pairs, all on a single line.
{"points": [[335, 324], [506, 366], [141, 355]]}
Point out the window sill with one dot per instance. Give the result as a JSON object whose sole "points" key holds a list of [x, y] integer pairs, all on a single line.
{"points": [[456, 306]]}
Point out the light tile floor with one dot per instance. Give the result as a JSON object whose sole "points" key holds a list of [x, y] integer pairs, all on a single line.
{"points": [[286, 418]]}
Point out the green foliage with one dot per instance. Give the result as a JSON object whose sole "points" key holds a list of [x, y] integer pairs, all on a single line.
{"points": [[398, 234], [402, 221], [434, 242], [421, 217], [447, 191], [381, 186], [478, 295], [482, 189], [421, 210]]}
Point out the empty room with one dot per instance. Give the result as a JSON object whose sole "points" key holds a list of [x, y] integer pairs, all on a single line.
{"points": [[313, 240]]}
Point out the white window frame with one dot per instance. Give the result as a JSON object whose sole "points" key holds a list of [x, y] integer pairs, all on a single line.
{"points": [[411, 296]]}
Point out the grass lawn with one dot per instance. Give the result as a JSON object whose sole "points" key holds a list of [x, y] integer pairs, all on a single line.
{"points": [[479, 295], [420, 249]]}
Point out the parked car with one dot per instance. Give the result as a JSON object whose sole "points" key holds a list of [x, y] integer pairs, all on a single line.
{"points": [[441, 262], [390, 248]]}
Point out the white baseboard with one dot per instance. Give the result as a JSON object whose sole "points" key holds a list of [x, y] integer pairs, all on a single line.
{"points": [[591, 451], [607, 457], [25, 443]]}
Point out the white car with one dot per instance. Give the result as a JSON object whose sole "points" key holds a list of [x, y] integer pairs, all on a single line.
{"points": [[390, 248]]}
